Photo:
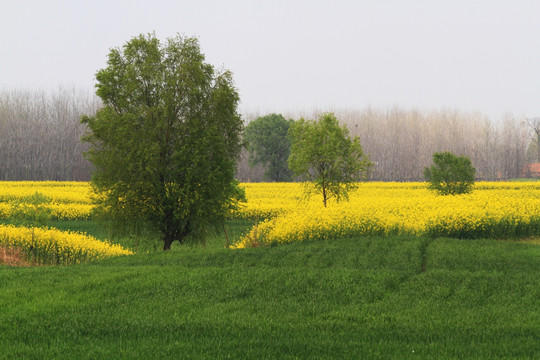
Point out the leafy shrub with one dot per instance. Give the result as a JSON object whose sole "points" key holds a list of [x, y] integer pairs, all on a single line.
{"points": [[450, 174]]}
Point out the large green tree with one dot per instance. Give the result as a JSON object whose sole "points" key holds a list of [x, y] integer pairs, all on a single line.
{"points": [[269, 146], [323, 154], [166, 141], [450, 174]]}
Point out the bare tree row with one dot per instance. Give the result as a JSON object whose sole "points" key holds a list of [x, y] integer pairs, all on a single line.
{"points": [[401, 142], [40, 135], [40, 138]]}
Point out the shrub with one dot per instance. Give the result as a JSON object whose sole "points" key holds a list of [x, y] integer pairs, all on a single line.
{"points": [[450, 174]]}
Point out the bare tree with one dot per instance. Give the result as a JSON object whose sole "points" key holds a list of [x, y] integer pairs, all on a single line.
{"points": [[40, 134], [534, 126]]}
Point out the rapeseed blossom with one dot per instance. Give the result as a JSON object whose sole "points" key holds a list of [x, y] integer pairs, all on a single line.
{"points": [[52, 246], [61, 200], [493, 209], [61, 192]]}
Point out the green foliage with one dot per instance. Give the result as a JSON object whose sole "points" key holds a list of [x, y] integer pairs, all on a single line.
{"points": [[450, 174], [166, 142], [323, 154], [269, 145]]}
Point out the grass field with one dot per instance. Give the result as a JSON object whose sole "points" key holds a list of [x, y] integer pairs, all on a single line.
{"points": [[378, 298]]}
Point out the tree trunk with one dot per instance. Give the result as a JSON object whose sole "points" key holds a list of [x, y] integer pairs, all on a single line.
{"points": [[226, 235], [167, 242], [171, 237], [538, 146]]}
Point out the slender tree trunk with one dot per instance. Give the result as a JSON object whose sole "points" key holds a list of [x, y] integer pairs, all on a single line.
{"points": [[538, 145], [226, 235]]}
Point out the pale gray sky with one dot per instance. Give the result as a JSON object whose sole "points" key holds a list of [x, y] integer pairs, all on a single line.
{"points": [[289, 55]]}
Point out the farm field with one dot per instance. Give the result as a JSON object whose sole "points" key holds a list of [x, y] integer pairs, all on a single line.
{"points": [[381, 297], [493, 209], [399, 291]]}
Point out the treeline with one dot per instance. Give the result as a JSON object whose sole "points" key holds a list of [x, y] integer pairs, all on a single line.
{"points": [[40, 134], [401, 142], [40, 139]]}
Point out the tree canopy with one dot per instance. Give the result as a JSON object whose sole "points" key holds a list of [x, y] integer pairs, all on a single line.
{"points": [[323, 154], [269, 146], [450, 174], [166, 141]]}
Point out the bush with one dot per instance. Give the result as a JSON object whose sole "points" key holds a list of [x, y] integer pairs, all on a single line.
{"points": [[450, 174]]}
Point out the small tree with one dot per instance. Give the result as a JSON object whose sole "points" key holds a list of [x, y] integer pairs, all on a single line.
{"points": [[323, 154], [166, 142], [450, 174], [269, 146]]}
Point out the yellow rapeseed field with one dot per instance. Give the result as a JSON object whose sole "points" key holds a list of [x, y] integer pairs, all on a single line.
{"points": [[61, 192], [62, 200], [283, 214], [493, 209], [52, 246], [31, 201]]}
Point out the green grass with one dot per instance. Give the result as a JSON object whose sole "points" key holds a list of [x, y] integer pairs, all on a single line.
{"points": [[105, 230], [376, 298]]}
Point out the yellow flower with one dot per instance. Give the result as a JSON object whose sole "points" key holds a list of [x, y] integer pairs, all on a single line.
{"points": [[493, 209], [58, 247]]}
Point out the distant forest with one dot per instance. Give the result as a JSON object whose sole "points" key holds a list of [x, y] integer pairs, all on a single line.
{"points": [[40, 135]]}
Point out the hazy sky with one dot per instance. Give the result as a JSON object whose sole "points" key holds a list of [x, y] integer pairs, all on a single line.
{"points": [[293, 55]]}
